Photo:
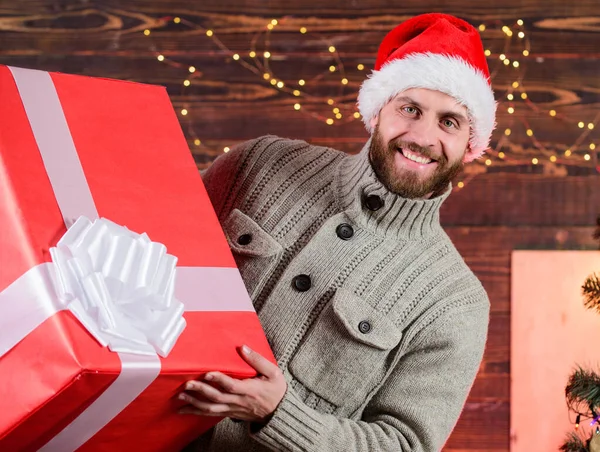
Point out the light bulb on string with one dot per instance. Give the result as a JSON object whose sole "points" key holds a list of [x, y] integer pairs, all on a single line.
{"points": [[209, 33], [252, 54]]}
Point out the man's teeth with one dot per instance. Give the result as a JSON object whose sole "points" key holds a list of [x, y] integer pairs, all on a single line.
{"points": [[414, 157]]}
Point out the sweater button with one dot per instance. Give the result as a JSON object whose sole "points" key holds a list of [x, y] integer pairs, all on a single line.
{"points": [[244, 239], [301, 283], [344, 231], [364, 327], [373, 202]]}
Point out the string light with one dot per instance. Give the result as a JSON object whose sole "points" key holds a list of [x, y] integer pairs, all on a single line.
{"points": [[257, 67], [197, 142], [534, 161], [461, 184], [226, 149]]}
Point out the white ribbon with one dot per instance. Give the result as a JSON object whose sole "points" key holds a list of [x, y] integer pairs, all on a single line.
{"points": [[120, 285]]}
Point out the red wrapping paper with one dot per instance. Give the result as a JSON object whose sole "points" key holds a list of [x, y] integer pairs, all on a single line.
{"points": [[141, 175]]}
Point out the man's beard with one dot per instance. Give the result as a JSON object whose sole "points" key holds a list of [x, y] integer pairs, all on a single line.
{"points": [[407, 183]]}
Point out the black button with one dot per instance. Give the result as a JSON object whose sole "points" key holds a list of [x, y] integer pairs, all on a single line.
{"points": [[344, 231], [364, 327], [245, 239], [301, 283], [373, 202]]}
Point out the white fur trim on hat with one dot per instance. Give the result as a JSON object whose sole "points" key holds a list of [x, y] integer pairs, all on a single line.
{"points": [[444, 73]]}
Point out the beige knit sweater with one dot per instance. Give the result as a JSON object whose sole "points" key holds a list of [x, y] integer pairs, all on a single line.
{"points": [[376, 321]]}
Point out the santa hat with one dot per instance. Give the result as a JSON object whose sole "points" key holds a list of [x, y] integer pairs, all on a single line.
{"points": [[437, 52]]}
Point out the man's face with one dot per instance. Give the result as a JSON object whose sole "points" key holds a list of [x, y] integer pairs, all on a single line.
{"points": [[419, 141]]}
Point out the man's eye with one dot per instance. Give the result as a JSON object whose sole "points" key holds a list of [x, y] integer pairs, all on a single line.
{"points": [[449, 123], [410, 110]]}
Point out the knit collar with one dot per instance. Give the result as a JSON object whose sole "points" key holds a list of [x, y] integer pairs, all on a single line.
{"points": [[400, 217]]}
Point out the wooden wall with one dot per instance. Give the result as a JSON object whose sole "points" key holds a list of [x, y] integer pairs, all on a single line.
{"points": [[509, 205]]}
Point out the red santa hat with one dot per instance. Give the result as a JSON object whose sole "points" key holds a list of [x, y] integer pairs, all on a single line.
{"points": [[437, 52]]}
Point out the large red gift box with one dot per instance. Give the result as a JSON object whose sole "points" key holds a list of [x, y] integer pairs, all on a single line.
{"points": [[69, 146]]}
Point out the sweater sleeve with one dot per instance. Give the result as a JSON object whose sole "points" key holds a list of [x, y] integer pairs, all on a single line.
{"points": [[414, 410]]}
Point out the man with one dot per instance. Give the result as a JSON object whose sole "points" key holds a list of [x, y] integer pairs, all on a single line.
{"points": [[376, 322]]}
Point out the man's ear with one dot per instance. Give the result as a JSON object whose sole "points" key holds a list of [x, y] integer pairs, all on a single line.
{"points": [[374, 120]]}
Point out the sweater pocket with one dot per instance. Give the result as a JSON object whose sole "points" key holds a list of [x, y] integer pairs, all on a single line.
{"points": [[346, 353], [256, 253]]}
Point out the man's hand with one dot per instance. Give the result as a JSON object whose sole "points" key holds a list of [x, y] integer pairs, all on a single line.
{"points": [[254, 399]]}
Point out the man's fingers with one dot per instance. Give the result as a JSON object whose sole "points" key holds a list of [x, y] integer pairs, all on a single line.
{"points": [[206, 408], [211, 393], [228, 384], [261, 364]]}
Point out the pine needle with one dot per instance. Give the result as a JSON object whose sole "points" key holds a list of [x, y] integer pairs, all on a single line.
{"points": [[573, 444], [583, 388], [591, 292]]}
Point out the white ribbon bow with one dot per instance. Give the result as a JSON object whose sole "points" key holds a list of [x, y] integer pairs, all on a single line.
{"points": [[120, 286]]}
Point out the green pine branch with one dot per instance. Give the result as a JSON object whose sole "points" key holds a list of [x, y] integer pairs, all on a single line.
{"points": [[583, 390], [573, 443], [591, 292]]}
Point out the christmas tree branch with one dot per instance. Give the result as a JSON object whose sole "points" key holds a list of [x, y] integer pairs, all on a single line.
{"points": [[591, 292], [583, 388], [573, 444]]}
